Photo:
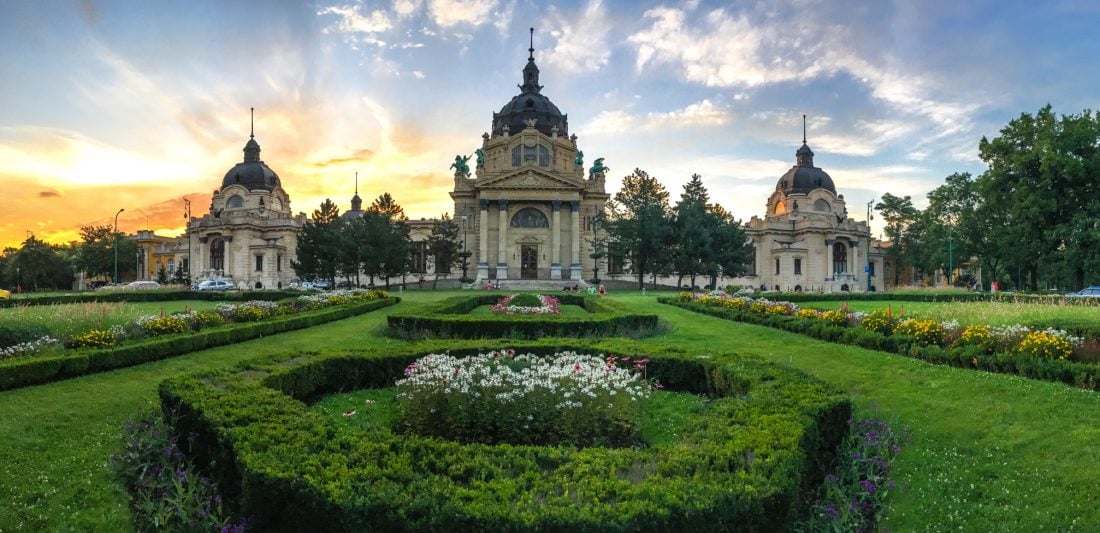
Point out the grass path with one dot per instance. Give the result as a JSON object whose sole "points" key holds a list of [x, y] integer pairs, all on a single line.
{"points": [[990, 452], [56, 438]]}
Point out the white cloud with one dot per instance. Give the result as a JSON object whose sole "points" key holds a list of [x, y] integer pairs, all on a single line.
{"points": [[353, 20], [582, 44], [447, 13], [418, 74], [405, 8], [703, 113]]}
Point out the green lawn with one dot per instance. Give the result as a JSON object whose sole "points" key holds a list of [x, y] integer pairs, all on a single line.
{"points": [[67, 320], [990, 452], [989, 313]]}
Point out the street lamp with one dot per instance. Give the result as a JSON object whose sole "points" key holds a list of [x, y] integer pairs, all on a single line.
{"points": [[867, 268], [116, 244], [950, 254], [465, 254], [187, 228]]}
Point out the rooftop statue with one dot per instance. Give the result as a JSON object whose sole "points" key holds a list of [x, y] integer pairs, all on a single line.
{"points": [[597, 168], [480, 157], [460, 165], [580, 158]]}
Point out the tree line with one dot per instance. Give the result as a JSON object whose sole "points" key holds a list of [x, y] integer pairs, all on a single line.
{"points": [[38, 265], [1031, 219], [691, 239]]}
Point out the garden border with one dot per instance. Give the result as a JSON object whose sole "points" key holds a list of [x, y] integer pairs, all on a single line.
{"points": [[448, 319], [152, 296], [1081, 375], [290, 468], [22, 372]]}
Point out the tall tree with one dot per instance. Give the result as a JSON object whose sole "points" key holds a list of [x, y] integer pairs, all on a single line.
{"points": [[899, 213], [444, 247], [37, 265], [95, 253], [318, 250], [692, 231], [389, 207], [391, 246], [730, 248], [640, 223]]}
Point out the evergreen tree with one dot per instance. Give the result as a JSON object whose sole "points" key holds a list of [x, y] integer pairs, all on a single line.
{"points": [[640, 224], [319, 243], [444, 246], [692, 228], [162, 275]]}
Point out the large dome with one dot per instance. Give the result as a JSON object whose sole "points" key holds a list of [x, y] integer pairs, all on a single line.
{"points": [[804, 177], [252, 173], [530, 104]]}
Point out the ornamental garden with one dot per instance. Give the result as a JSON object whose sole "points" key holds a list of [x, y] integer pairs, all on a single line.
{"points": [[500, 411]]}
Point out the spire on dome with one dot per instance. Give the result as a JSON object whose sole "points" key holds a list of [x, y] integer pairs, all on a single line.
{"points": [[356, 201], [252, 148], [531, 71], [804, 157]]}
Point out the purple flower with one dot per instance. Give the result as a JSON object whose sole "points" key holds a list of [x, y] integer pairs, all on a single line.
{"points": [[868, 486]]}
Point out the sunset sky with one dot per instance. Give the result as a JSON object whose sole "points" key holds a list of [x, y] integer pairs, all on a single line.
{"points": [[137, 105]]}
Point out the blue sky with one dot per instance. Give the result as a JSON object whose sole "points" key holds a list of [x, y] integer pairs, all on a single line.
{"points": [[139, 104]]}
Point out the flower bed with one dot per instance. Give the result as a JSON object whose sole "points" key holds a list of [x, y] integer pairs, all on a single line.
{"points": [[565, 398], [190, 321], [1017, 349], [450, 319], [746, 464], [44, 368], [527, 304]]}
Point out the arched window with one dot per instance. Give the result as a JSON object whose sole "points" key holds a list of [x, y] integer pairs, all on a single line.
{"points": [[840, 258], [544, 156], [821, 205], [516, 155], [217, 254], [529, 217], [235, 201]]}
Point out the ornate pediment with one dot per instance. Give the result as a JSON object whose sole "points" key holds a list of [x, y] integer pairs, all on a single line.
{"points": [[527, 179]]}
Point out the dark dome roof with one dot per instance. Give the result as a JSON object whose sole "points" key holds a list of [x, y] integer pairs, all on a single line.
{"points": [[530, 104], [804, 177], [527, 106], [252, 173]]}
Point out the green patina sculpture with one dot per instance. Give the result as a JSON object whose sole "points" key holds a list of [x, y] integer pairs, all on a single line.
{"points": [[597, 168], [580, 158], [460, 165], [480, 157]]}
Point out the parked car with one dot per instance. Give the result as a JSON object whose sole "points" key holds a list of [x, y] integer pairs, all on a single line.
{"points": [[1089, 292], [143, 285], [5, 295], [303, 285], [214, 285], [322, 284], [97, 284]]}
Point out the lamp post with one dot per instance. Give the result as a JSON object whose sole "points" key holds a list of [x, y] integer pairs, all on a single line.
{"points": [[950, 255], [465, 254], [187, 228], [116, 243], [870, 217]]}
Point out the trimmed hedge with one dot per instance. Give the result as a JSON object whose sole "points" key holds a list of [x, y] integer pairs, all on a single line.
{"points": [[152, 296], [449, 319], [918, 297], [1083, 375], [22, 372], [767, 436]]}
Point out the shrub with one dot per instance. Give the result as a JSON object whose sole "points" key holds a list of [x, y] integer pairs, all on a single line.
{"points": [[878, 321], [835, 317], [567, 398], [1044, 345], [925, 331], [978, 336], [808, 313], [163, 325], [12, 333], [166, 491], [743, 465], [94, 338]]}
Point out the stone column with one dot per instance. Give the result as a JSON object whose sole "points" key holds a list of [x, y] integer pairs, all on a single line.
{"points": [[502, 241], [575, 268], [483, 242], [829, 274], [555, 250]]}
